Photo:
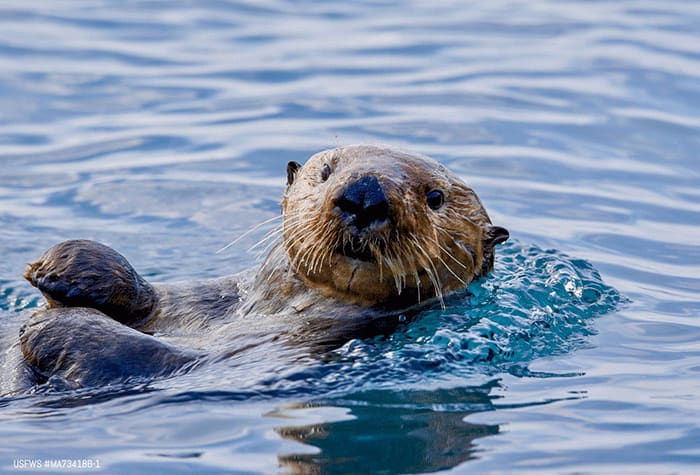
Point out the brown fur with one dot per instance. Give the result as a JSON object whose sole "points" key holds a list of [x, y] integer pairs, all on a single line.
{"points": [[421, 252], [312, 291]]}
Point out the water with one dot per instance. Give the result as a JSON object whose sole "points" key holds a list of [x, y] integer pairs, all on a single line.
{"points": [[163, 129]]}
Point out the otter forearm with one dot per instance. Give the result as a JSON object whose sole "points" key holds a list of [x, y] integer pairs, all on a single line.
{"points": [[185, 307], [71, 343]]}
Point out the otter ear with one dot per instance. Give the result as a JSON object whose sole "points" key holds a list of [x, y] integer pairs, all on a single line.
{"points": [[292, 169], [496, 235]]}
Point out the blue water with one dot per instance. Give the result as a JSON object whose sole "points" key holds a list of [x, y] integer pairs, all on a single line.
{"points": [[163, 130]]}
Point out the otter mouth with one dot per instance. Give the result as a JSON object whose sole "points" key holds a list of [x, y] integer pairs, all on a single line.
{"points": [[357, 249]]}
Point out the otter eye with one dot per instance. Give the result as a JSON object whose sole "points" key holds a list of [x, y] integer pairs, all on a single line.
{"points": [[325, 172], [435, 199]]}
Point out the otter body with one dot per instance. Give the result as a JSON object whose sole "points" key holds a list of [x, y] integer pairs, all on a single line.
{"points": [[368, 233]]}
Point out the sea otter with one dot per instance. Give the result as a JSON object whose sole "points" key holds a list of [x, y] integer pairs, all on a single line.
{"points": [[367, 233]]}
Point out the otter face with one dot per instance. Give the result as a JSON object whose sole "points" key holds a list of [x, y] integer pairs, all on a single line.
{"points": [[376, 226]]}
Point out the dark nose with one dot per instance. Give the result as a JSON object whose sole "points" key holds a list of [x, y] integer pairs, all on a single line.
{"points": [[363, 202]]}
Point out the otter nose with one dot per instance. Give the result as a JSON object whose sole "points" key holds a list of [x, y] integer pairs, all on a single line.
{"points": [[364, 202]]}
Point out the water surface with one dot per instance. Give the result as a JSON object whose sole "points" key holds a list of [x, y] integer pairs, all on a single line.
{"points": [[163, 129]]}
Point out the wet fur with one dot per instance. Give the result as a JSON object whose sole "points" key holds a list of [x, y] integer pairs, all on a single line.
{"points": [[104, 323], [421, 252]]}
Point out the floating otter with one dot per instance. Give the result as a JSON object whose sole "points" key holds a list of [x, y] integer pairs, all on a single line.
{"points": [[368, 233]]}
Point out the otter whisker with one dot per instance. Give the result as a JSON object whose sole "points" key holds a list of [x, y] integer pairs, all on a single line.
{"points": [[319, 238], [432, 273], [266, 248], [449, 269], [449, 254], [319, 242], [292, 227], [317, 249], [395, 265], [248, 232], [465, 247], [271, 235], [330, 249], [272, 262], [300, 258], [295, 233], [396, 262]]}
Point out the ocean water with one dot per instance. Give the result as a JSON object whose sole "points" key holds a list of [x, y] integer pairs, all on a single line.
{"points": [[163, 129]]}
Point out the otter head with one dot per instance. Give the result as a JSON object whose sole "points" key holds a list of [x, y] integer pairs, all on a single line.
{"points": [[375, 226]]}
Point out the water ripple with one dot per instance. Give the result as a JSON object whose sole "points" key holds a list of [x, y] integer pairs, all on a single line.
{"points": [[165, 132]]}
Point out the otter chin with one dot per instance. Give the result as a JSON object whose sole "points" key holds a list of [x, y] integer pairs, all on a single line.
{"points": [[367, 232], [371, 225]]}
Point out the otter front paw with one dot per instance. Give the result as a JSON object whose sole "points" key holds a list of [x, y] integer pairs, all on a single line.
{"points": [[83, 273], [86, 348]]}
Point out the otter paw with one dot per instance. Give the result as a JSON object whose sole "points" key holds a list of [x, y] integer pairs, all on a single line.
{"points": [[83, 273], [87, 348]]}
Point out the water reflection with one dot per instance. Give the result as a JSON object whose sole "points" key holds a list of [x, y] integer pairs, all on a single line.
{"points": [[393, 432]]}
